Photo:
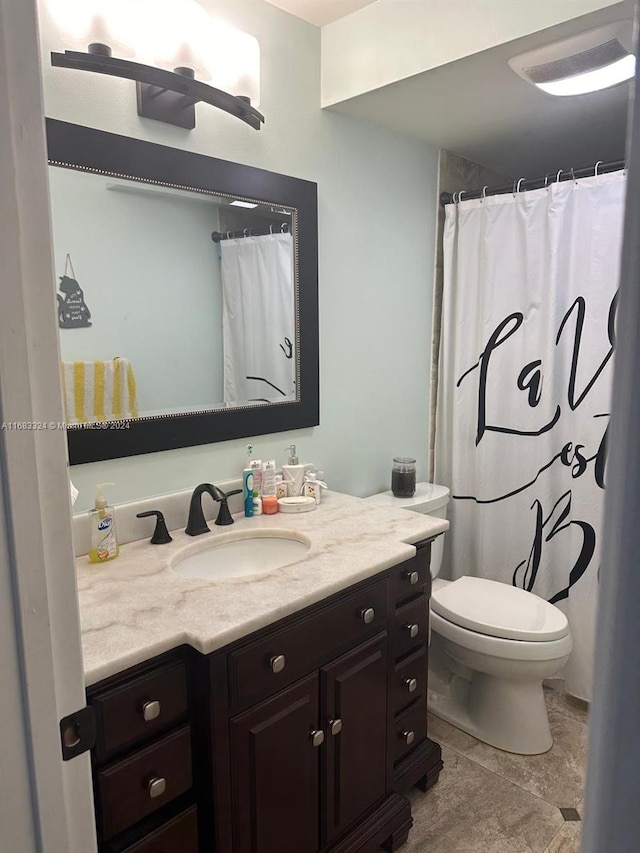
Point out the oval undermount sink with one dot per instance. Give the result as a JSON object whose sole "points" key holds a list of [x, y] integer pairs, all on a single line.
{"points": [[236, 555]]}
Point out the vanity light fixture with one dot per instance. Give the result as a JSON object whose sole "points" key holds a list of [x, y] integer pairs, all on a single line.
{"points": [[175, 33], [238, 203], [588, 62]]}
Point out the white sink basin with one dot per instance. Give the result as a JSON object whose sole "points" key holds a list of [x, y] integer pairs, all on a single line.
{"points": [[236, 555]]}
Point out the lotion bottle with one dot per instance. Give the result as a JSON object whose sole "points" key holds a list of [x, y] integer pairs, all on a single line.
{"points": [[104, 540], [293, 473]]}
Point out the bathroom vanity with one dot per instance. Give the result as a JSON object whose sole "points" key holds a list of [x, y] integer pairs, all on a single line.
{"points": [[297, 735]]}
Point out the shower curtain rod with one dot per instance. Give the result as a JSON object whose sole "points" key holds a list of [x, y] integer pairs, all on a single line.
{"points": [[217, 236], [522, 184]]}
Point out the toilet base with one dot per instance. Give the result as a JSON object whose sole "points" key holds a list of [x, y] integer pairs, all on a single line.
{"points": [[509, 714]]}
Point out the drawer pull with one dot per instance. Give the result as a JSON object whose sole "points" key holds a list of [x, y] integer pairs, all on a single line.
{"points": [[413, 578], [413, 629], [277, 663], [368, 615], [317, 737], [335, 727], [156, 787], [412, 684], [151, 710], [408, 737]]}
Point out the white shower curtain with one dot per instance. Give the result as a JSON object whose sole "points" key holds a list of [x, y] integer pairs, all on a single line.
{"points": [[258, 319], [523, 404]]}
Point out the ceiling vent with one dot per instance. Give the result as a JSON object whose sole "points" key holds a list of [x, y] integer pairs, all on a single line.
{"points": [[584, 63]]}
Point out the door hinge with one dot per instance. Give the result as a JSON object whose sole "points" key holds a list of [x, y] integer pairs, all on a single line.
{"points": [[78, 733]]}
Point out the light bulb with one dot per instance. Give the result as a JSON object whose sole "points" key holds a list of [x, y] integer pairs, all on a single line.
{"points": [[83, 22]]}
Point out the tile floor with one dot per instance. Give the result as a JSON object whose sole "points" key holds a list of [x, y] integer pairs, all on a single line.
{"points": [[489, 801]]}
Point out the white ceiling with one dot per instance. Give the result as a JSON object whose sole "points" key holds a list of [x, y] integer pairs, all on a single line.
{"points": [[320, 12], [479, 108]]}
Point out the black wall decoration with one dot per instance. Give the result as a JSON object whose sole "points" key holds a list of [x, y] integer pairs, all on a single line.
{"points": [[73, 312]]}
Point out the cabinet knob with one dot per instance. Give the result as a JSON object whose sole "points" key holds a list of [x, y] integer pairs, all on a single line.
{"points": [[368, 615], [413, 578], [156, 787], [277, 663], [151, 710], [408, 737], [413, 629], [317, 737], [412, 684], [335, 727]]}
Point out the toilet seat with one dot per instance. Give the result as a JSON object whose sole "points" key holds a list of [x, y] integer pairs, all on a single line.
{"points": [[498, 610]]}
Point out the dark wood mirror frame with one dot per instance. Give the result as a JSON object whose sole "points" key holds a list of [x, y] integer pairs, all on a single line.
{"points": [[76, 147]]}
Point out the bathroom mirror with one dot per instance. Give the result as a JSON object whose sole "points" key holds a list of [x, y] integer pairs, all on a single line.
{"points": [[187, 295]]}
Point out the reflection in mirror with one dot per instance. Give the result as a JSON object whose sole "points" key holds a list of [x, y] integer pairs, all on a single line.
{"points": [[171, 301]]}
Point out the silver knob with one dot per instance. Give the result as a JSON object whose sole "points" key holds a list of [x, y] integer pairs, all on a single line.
{"points": [[151, 710], [413, 629], [335, 727], [317, 737], [368, 615], [156, 787], [277, 663], [413, 578], [408, 737], [412, 684]]}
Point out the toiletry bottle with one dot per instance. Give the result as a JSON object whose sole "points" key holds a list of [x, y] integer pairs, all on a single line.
{"points": [[311, 487], [256, 465], [282, 490], [293, 473], [269, 478], [257, 503], [247, 491], [104, 541]]}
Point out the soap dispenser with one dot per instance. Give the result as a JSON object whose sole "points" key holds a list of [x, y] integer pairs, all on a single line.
{"points": [[104, 541], [293, 473]]}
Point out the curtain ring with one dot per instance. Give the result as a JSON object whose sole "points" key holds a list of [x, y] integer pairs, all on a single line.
{"points": [[283, 228], [245, 232], [271, 229], [595, 168], [484, 192], [460, 194], [229, 233], [558, 175], [546, 180], [454, 199], [575, 180], [519, 182]]}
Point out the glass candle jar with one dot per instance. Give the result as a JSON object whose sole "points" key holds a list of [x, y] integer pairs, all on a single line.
{"points": [[403, 477]]}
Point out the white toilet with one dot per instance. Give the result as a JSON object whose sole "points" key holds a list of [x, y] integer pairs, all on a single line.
{"points": [[491, 647]]}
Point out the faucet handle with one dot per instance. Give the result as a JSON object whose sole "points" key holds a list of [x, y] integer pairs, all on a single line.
{"points": [[224, 515], [161, 535]]}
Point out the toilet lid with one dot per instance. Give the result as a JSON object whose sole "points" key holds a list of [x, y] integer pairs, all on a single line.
{"points": [[499, 610]]}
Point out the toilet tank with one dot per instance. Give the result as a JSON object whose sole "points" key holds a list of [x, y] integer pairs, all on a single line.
{"points": [[429, 499]]}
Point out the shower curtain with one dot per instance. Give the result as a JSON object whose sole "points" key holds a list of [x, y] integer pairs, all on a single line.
{"points": [[258, 319], [528, 334]]}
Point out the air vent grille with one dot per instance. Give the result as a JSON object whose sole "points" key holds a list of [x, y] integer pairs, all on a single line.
{"points": [[579, 63]]}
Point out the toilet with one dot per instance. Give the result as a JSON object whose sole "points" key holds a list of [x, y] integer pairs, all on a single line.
{"points": [[491, 647]]}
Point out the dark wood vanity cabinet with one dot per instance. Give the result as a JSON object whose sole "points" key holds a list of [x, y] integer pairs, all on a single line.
{"points": [[300, 738]]}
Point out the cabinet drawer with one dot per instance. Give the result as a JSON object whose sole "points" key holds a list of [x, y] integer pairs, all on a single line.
{"points": [[412, 576], [139, 709], [179, 835], [409, 680], [410, 625], [149, 779], [271, 663], [409, 730]]}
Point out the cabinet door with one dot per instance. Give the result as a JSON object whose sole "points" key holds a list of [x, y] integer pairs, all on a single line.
{"points": [[356, 726], [276, 772]]}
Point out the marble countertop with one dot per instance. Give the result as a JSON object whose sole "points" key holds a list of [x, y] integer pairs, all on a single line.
{"points": [[136, 607]]}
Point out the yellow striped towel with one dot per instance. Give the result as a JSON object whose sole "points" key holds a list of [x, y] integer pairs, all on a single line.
{"points": [[98, 391]]}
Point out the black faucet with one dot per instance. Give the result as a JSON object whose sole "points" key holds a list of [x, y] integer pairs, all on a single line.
{"points": [[196, 523]]}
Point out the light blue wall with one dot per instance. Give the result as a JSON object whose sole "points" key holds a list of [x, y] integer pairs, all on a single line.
{"points": [[377, 202]]}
